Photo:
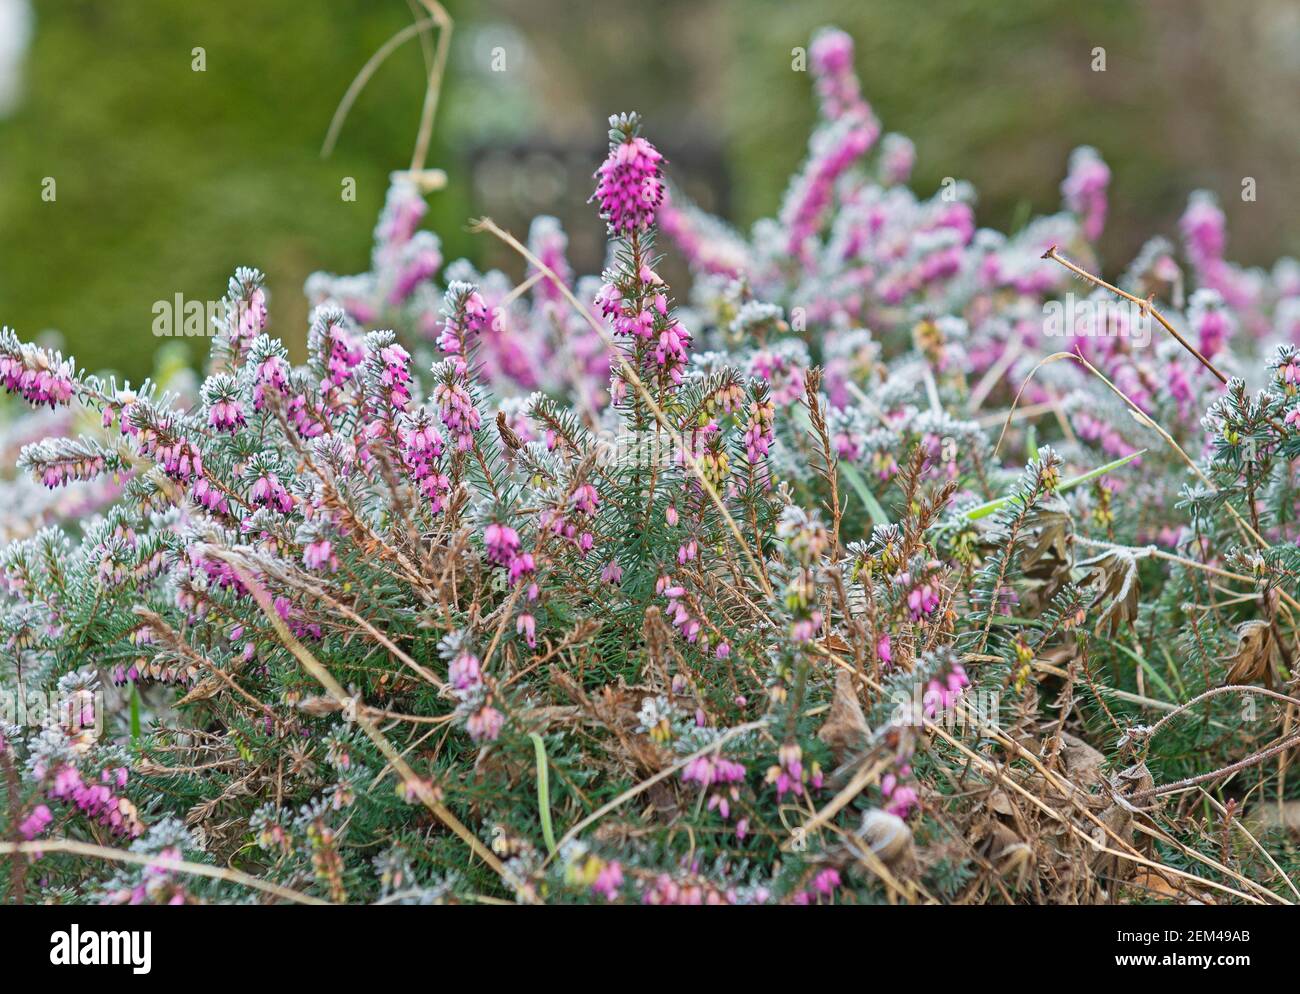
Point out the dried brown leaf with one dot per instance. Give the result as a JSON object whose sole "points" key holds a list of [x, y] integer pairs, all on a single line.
{"points": [[845, 729], [1252, 660]]}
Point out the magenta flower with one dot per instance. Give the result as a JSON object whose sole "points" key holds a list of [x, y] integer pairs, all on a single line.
{"points": [[268, 491], [421, 449], [608, 881], [897, 157], [521, 565], [250, 314], [502, 542], [417, 260], [97, 800], [179, 459], [1211, 321], [463, 672], [789, 774], [526, 625], [1204, 229], [208, 496], [337, 351], [826, 882], [227, 415], [38, 375], [36, 822], [806, 629], [1288, 375], [485, 724], [760, 431], [466, 317], [831, 61], [943, 689], [1084, 190], [922, 601], [629, 187], [458, 412], [320, 555], [271, 377], [900, 799], [719, 778], [585, 499], [833, 151], [395, 375]]}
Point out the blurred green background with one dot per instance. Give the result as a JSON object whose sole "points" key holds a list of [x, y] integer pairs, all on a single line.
{"points": [[168, 178]]}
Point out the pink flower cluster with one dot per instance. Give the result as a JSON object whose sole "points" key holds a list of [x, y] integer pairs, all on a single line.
{"points": [[421, 450], [667, 891], [319, 554], [57, 471], [38, 376], [760, 431], [459, 415], [467, 317], [838, 90], [227, 414], [1084, 190], [502, 542], [942, 691], [268, 491], [395, 376], [158, 885], [922, 601], [629, 322], [270, 378], [1286, 370], [789, 774], [1212, 322], [833, 152], [572, 522], [608, 881], [180, 459], [900, 797], [687, 625], [98, 800], [629, 188], [177, 673], [503, 549], [417, 261], [248, 311], [36, 822], [340, 353], [803, 630], [485, 724], [720, 778], [823, 885], [671, 350], [463, 671]]}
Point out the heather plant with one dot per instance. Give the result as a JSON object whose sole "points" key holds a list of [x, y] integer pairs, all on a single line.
{"points": [[845, 583]]}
